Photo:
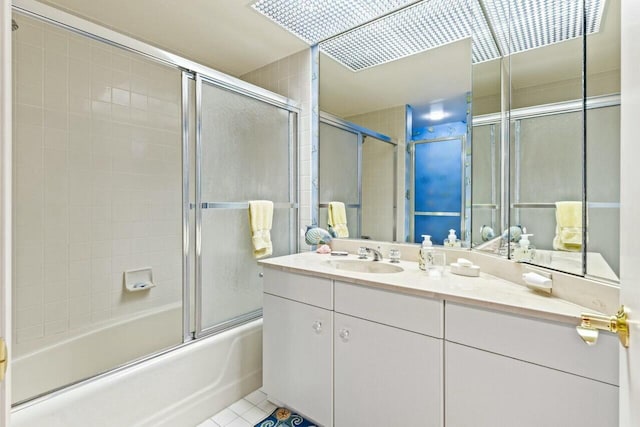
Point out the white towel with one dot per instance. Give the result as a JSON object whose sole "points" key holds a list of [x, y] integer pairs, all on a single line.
{"points": [[260, 221]]}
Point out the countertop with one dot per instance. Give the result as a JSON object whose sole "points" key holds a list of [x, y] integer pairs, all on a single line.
{"points": [[486, 291]]}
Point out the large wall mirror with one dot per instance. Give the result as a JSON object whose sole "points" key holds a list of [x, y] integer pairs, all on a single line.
{"points": [[533, 97], [555, 99], [394, 127]]}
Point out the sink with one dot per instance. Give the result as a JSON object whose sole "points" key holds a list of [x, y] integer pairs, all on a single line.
{"points": [[365, 266]]}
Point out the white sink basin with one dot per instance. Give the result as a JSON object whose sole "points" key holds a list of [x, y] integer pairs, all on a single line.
{"points": [[365, 266]]}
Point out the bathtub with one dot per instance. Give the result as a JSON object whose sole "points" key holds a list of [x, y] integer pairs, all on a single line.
{"points": [[181, 387], [86, 353]]}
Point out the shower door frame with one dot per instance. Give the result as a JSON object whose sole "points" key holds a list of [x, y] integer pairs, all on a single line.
{"points": [[91, 30], [292, 204], [361, 132]]}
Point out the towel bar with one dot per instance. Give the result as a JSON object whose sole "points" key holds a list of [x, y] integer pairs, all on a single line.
{"points": [[350, 206], [244, 205], [590, 205]]}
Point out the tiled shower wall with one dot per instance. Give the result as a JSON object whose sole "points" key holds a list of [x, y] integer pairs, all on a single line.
{"points": [[97, 183], [291, 77]]}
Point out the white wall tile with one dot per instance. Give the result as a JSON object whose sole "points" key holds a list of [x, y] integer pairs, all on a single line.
{"points": [[56, 327], [80, 271], [29, 296], [55, 292], [56, 311], [29, 317], [29, 333]]}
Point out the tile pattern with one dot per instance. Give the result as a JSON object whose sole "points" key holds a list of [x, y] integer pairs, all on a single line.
{"points": [[97, 182], [246, 412]]}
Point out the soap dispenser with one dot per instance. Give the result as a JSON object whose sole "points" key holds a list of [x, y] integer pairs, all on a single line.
{"points": [[525, 250], [425, 255], [452, 240]]}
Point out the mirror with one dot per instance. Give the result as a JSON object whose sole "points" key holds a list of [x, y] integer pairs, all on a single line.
{"points": [[603, 147], [420, 102], [554, 143], [545, 139]]}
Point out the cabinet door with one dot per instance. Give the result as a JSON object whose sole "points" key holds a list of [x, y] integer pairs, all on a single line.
{"points": [[488, 390], [297, 357], [385, 376]]}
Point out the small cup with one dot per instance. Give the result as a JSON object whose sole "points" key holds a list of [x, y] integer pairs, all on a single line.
{"points": [[439, 261], [394, 255]]}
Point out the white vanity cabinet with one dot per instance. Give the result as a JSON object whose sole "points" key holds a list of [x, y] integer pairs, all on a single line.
{"points": [[298, 343], [348, 355], [387, 371], [509, 370]]}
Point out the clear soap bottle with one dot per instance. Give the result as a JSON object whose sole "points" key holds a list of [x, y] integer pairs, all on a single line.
{"points": [[525, 251], [452, 240], [425, 254]]}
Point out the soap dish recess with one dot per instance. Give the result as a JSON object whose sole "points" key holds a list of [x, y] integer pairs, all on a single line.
{"points": [[139, 280]]}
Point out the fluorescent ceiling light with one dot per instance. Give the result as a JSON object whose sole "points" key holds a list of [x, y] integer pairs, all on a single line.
{"points": [[538, 23], [406, 27], [317, 20], [414, 29]]}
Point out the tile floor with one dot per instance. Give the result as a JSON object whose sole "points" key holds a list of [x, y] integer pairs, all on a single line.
{"points": [[245, 412]]}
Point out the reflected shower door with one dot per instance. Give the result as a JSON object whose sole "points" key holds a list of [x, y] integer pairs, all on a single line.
{"points": [[235, 129], [378, 189], [486, 186], [339, 174]]}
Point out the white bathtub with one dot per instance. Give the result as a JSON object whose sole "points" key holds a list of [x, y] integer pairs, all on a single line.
{"points": [[179, 388], [90, 352]]}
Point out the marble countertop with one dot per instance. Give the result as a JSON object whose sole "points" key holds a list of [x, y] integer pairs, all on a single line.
{"points": [[486, 291]]}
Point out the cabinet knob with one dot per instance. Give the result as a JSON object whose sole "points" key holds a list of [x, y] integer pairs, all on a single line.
{"points": [[317, 326], [345, 334]]}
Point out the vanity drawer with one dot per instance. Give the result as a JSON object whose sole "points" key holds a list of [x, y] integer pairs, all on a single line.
{"points": [[413, 313], [552, 344], [311, 290]]}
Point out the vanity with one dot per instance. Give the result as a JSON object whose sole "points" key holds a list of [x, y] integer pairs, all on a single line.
{"points": [[348, 347]]}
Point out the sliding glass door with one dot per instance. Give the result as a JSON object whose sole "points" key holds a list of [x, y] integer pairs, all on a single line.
{"points": [[245, 150]]}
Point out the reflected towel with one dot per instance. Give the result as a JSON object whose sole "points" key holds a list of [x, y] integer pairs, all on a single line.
{"points": [[260, 221], [338, 219], [568, 227]]}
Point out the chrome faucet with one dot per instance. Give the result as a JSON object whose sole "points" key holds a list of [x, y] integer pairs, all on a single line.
{"points": [[377, 255]]}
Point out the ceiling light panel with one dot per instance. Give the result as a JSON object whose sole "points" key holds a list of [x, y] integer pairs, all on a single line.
{"points": [[414, 29], [317, 20], [538, 23], [483, 47]]}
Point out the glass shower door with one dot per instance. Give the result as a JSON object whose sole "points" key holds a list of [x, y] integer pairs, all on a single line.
{"points": [[236, 129]]}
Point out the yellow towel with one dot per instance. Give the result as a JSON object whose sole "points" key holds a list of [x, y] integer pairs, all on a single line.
{"points": [[260, 221], [338, 219], [568, 227]]}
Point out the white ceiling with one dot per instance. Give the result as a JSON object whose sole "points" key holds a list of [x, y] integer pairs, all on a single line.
{"points": [[432, 76], [227, 35], [230, 36]]}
